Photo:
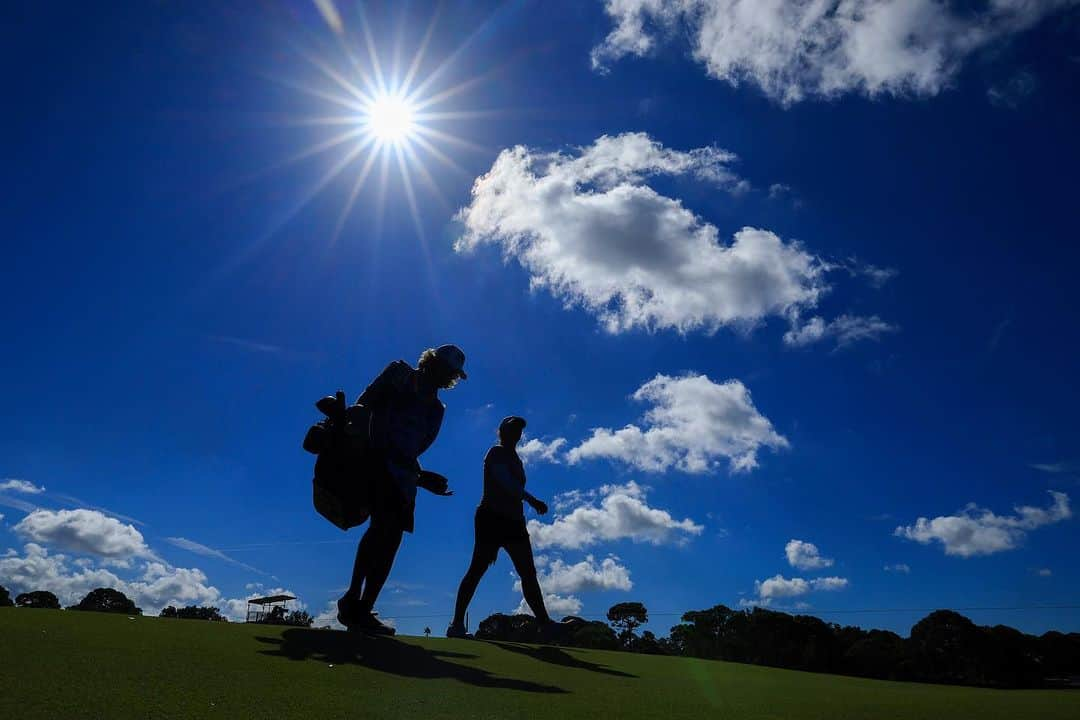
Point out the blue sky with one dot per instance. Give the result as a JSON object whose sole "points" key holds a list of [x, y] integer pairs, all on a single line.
{"points": [[753, 278]]}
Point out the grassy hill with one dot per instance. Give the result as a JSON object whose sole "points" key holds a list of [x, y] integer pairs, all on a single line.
{"points": [[59, 664]]}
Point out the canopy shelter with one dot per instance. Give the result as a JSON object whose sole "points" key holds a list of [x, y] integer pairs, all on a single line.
{"points": [[265, 605]]}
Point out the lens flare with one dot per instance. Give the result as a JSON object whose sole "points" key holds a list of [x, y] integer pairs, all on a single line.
{"points": [[390, 119]]}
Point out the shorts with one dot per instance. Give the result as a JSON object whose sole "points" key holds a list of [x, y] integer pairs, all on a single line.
{"points": [[498, 530]]}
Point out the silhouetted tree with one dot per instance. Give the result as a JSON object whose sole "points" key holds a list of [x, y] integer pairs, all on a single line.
{"points": [[427, 632], [626, 617], [42, 599], [649, 644], [592, 634], [513, 628], [107, 600], [299, 618], [194, 612], [5, 597]]}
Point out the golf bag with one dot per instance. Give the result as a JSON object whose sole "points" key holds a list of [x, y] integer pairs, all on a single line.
{"points": [[341, 486]]}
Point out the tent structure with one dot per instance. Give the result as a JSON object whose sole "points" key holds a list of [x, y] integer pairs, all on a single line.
{"points": [[265, 605]]}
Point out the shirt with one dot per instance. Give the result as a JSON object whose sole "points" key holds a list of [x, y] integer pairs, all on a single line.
{"points": [[504, 482], [405, 420]]}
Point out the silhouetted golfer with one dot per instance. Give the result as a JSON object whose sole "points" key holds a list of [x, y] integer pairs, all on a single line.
{"points": [[500, 523], [406, 415]]}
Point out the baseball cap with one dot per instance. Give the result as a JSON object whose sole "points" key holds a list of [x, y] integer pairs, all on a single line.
{"points": [[453, 357], [512, 421]]}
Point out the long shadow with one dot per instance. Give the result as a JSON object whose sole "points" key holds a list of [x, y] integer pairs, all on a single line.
{"points": [[389, 656], [557, 656]]}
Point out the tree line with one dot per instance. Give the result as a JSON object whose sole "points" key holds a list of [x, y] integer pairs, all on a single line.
{"points": [[943, 647], [113, 601]]}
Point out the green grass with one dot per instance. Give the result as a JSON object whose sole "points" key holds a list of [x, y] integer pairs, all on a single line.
{"points": [[57, 664]]}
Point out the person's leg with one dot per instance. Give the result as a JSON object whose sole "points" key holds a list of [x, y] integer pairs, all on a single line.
{"points": [[386, 539], [365, 554], [521, 554], [483, 556]]}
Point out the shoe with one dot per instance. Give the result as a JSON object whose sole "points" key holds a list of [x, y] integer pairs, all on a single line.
{"points": [[457, 630], [368, 623], [347, 611]]}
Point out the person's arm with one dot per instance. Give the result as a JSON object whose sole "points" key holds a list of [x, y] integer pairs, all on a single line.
{"points": [[538, 505]]}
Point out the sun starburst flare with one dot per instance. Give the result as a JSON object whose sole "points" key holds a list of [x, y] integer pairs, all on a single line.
{"points": [[385, 117]]}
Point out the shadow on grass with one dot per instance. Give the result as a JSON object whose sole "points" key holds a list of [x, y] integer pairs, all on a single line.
{"points": [[389, 656], [558, 656]]}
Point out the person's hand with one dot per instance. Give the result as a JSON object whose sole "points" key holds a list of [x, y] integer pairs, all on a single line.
{"points": [[539, 506], [434, 483]]}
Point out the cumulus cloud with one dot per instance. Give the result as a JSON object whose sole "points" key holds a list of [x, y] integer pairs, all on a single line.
{"points": [[328, 617], [236, 608], [622, 513], [590, 231], [20, 486], [588, 575], [978, 531], [533, 450], [821, 48], [84, 531], [780, 587], [157, 586], [805, 556], [556, 605], [693, 424], [845, 330]]}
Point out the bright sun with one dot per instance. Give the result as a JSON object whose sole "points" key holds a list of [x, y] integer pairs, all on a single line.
{"points": [[390, 119]]}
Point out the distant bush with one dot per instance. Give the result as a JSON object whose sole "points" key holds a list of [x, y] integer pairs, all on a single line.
{"points": [[107, 600], [193, 612], [944, 647], [5, 597], [42, 599], [280, 616]]}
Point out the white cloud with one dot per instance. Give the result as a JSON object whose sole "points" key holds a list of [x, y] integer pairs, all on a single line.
{"points": [[328, 617], [20, 486], [534, 450], [590, 231], [84, 531], [586, 576], [845, 330], [821, 48], [556, 605], [236, 608], [898, 568], [692, 425], [158, 585], [200, 549], [780, 587], [18, 504], [977, 531], [805, 556], [776, 190], [1044, 572], [621, 514]]}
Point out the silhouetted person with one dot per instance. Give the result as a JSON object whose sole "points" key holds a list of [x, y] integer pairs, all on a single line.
{"points": [[500, 523], [406, 415]]}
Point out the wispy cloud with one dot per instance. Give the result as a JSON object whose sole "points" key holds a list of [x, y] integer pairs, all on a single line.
{"points": [[1058, 468], [20, 486], [206, 551], [246, 344], [18, 504], [72, 500]]}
